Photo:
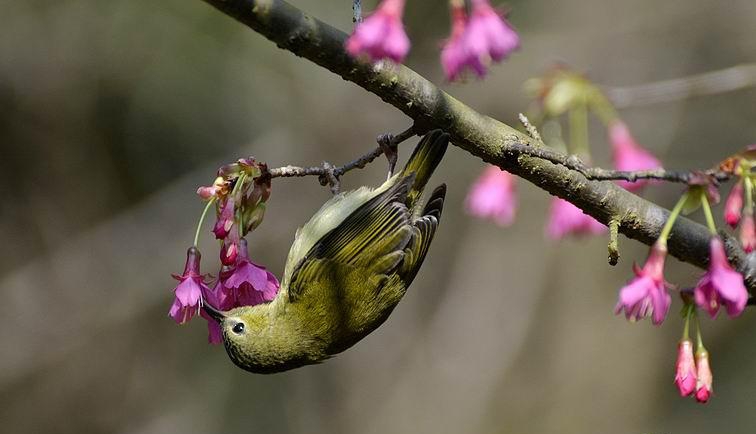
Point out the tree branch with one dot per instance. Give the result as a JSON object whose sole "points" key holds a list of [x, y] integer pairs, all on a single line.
{"points": [[482, 136], [708, 83]]}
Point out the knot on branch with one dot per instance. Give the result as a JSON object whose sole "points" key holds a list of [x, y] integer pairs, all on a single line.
{"points": [[329, 177]]}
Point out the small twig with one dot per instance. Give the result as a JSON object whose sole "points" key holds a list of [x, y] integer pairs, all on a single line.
{"points": [[613, 246], [572, 162], [531, 129], [329, 178], [329, 174], [708, 83], [597, 174]]}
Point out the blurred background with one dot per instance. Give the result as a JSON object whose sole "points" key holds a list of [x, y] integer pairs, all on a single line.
{"points": [[112, 113]]}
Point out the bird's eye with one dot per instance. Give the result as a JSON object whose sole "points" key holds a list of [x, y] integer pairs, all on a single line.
{"points": [[238, 328]]}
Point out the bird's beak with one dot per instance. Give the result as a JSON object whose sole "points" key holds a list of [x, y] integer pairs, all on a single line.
{"points": [[213, 312]]}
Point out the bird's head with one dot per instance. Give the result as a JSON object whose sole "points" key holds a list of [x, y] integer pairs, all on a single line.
{"points": [[252, 342], [240, 328]]}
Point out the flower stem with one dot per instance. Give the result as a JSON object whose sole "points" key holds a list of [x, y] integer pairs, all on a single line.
{"points": [[671, 219], [699, 341], [748, 194], [201, 220], [238, 186], [602, 107], [686, 328], [578, 117], [707, 213]]}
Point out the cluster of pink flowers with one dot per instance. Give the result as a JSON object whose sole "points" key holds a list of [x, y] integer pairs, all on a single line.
{"points": [[494, 196], [240, 281], [475, 41], [646, 294]]}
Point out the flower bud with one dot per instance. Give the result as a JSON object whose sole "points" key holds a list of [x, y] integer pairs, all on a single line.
{"points": [[225, 219], [734, 205], [685, 377], [704, 377]]}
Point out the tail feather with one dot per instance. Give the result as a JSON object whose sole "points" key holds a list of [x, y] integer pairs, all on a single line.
{"points": [[425, 228], [423, 161]]}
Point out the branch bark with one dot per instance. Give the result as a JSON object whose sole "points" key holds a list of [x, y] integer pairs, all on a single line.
{"points": [[492, 141]]}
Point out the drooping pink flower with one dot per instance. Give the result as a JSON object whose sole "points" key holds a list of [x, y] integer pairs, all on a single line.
{"points": [[567, 219], [720, 284], [190, 290], [685, 375], [225, 220], [493, 196], [748, 233], [381, 35], [704, 376], [252, 283], [489, 35], [646, 293], [629, 155], [734, 205], [454, 55]]}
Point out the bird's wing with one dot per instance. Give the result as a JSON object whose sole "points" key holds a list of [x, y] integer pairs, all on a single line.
{"points": [[374, 237]]}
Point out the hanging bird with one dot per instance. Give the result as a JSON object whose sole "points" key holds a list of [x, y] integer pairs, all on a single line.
{"points": [[348, 268]]}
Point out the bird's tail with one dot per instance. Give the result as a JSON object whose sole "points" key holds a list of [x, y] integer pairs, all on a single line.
{"points": [[423, 161]]}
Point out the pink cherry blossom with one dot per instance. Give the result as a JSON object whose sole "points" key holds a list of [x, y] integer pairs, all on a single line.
{"points": [[646, 294], [493, 196], [381, 35], [704, 376], [567, 219], [488, 34], [454, 55], [629, 155], [734, 205], [252, 283], [685, 376], [190, 290], [720, 284], [477, 41]]}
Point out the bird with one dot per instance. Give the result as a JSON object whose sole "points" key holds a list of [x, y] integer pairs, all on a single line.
{"points": [[347, 269]]}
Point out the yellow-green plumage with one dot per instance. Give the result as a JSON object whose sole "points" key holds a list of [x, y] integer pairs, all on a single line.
{"points": [[348, 268]]}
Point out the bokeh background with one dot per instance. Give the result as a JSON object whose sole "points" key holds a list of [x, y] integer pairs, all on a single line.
{"points": [[112, 113]]}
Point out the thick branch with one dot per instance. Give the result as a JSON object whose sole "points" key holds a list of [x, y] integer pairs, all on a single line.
{"points": [[480, 135]]}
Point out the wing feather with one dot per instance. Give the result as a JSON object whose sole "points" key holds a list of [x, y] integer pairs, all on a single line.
{"points": [[375, 235]]}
